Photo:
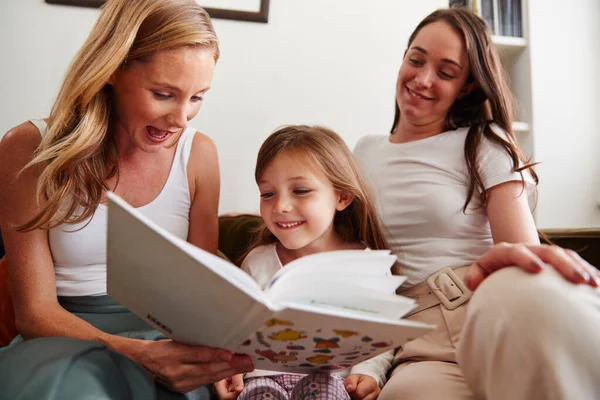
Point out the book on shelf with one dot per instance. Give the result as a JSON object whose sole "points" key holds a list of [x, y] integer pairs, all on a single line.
{"points": [[503, 17], [516, 19], [322, 312], [488, 13]]}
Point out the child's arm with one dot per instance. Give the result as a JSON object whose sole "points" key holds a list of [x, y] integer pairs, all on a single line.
{"points": [[367, 378], [508, 211], [230, 388], [376, 367]]}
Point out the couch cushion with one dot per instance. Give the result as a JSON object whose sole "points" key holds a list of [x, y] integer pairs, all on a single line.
{"points": [[236, 233]]}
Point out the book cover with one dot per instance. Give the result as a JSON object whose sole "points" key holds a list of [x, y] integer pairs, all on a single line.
{"points": [[327, 311]]}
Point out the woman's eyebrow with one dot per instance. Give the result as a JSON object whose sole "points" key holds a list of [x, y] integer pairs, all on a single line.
{"points": [[446, 60]]}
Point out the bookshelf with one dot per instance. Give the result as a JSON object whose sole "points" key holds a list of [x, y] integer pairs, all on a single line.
{"points": [[508, 21], [509, 43]]}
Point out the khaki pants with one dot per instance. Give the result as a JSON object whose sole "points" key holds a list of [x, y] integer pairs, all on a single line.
{"points": [[520, 336]]}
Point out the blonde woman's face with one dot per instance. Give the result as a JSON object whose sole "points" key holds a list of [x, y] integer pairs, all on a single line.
{"points": [[433, 74], [155, 99]]}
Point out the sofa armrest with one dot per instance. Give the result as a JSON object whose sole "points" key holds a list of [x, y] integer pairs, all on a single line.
{"points": [[585, 241]]}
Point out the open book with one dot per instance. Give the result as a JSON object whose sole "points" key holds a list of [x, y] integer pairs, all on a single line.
{"points": [[325, 311]]}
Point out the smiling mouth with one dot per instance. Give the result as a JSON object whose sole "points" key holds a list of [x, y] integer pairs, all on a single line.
{"points": [[158, 134], [289, 225], [417, 95]]}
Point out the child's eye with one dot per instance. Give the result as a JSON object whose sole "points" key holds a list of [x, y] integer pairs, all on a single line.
{"points": [[267, 195], [302, 191], [161, 96], [415, 62], [197, 98]]}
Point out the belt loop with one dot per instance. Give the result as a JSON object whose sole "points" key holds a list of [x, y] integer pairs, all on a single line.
{"points": [[449, 288]]}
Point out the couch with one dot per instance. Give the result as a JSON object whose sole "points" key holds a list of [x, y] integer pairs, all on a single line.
{"points": [[236, 233]]}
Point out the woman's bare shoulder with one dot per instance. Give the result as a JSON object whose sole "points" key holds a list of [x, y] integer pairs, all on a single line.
{"points": [[17, 149], [202, 143], [23, 139]]}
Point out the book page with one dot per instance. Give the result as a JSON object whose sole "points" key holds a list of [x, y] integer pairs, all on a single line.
{"points": [[303, 283], [349, 297], [376, 262], [188, 294], [304, 339], [351, 279]]}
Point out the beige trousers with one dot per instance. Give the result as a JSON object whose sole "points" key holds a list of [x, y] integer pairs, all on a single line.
{"points": [[521, 336]]}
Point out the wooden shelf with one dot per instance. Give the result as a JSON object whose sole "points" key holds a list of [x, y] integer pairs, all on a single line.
{"points": [[520, 127], [509, 41], [508, 45]]}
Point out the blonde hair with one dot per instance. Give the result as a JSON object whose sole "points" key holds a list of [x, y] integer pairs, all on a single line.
{"points": [[357, 223], [77, 153]]}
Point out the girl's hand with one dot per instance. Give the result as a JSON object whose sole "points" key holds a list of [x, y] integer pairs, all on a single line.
{"points": [[362, 387], [183, 368], [230, 388], [532, 258]]}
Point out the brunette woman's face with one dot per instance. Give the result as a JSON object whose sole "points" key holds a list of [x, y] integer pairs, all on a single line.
{"points": [[433, 74], [155, 98]]}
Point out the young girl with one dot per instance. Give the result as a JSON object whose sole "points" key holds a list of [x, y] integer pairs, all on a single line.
{"points": [[313, 199], [451, 183]]}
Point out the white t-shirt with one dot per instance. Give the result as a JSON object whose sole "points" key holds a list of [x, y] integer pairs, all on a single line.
{"points": [[421, 188], [261, 264]]}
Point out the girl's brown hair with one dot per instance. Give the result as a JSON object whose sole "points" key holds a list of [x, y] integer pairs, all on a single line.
{"points": [[491, 102], [357, 223], [77, 152]]}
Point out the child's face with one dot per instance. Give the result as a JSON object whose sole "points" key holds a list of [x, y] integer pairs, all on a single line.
{"points": [[298, 203]]}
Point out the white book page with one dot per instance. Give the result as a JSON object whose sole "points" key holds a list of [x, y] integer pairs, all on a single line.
{"points": [[355, 315], [344, 262], [350, 298], [304, 283]]}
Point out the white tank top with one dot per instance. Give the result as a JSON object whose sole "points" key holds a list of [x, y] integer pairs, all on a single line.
{"points": [[79, 250]]}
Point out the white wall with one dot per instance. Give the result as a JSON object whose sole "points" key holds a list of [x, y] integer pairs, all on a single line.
{"points": [[334, 62], [329, 62], [565, 54]]}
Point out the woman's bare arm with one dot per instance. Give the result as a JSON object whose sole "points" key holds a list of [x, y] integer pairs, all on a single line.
{"points": [[204, 180]]}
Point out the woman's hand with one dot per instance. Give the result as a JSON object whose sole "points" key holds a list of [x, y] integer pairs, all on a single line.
{"points": [[183, 368], [532, 258], [362, 387], [230, 388]]}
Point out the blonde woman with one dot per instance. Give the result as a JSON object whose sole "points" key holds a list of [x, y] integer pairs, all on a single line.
{"points": [[118, 123]]}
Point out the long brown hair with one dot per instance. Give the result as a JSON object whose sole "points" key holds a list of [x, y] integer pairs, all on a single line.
{"points": [[491, 101], [77, 152], [357, 223]]}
